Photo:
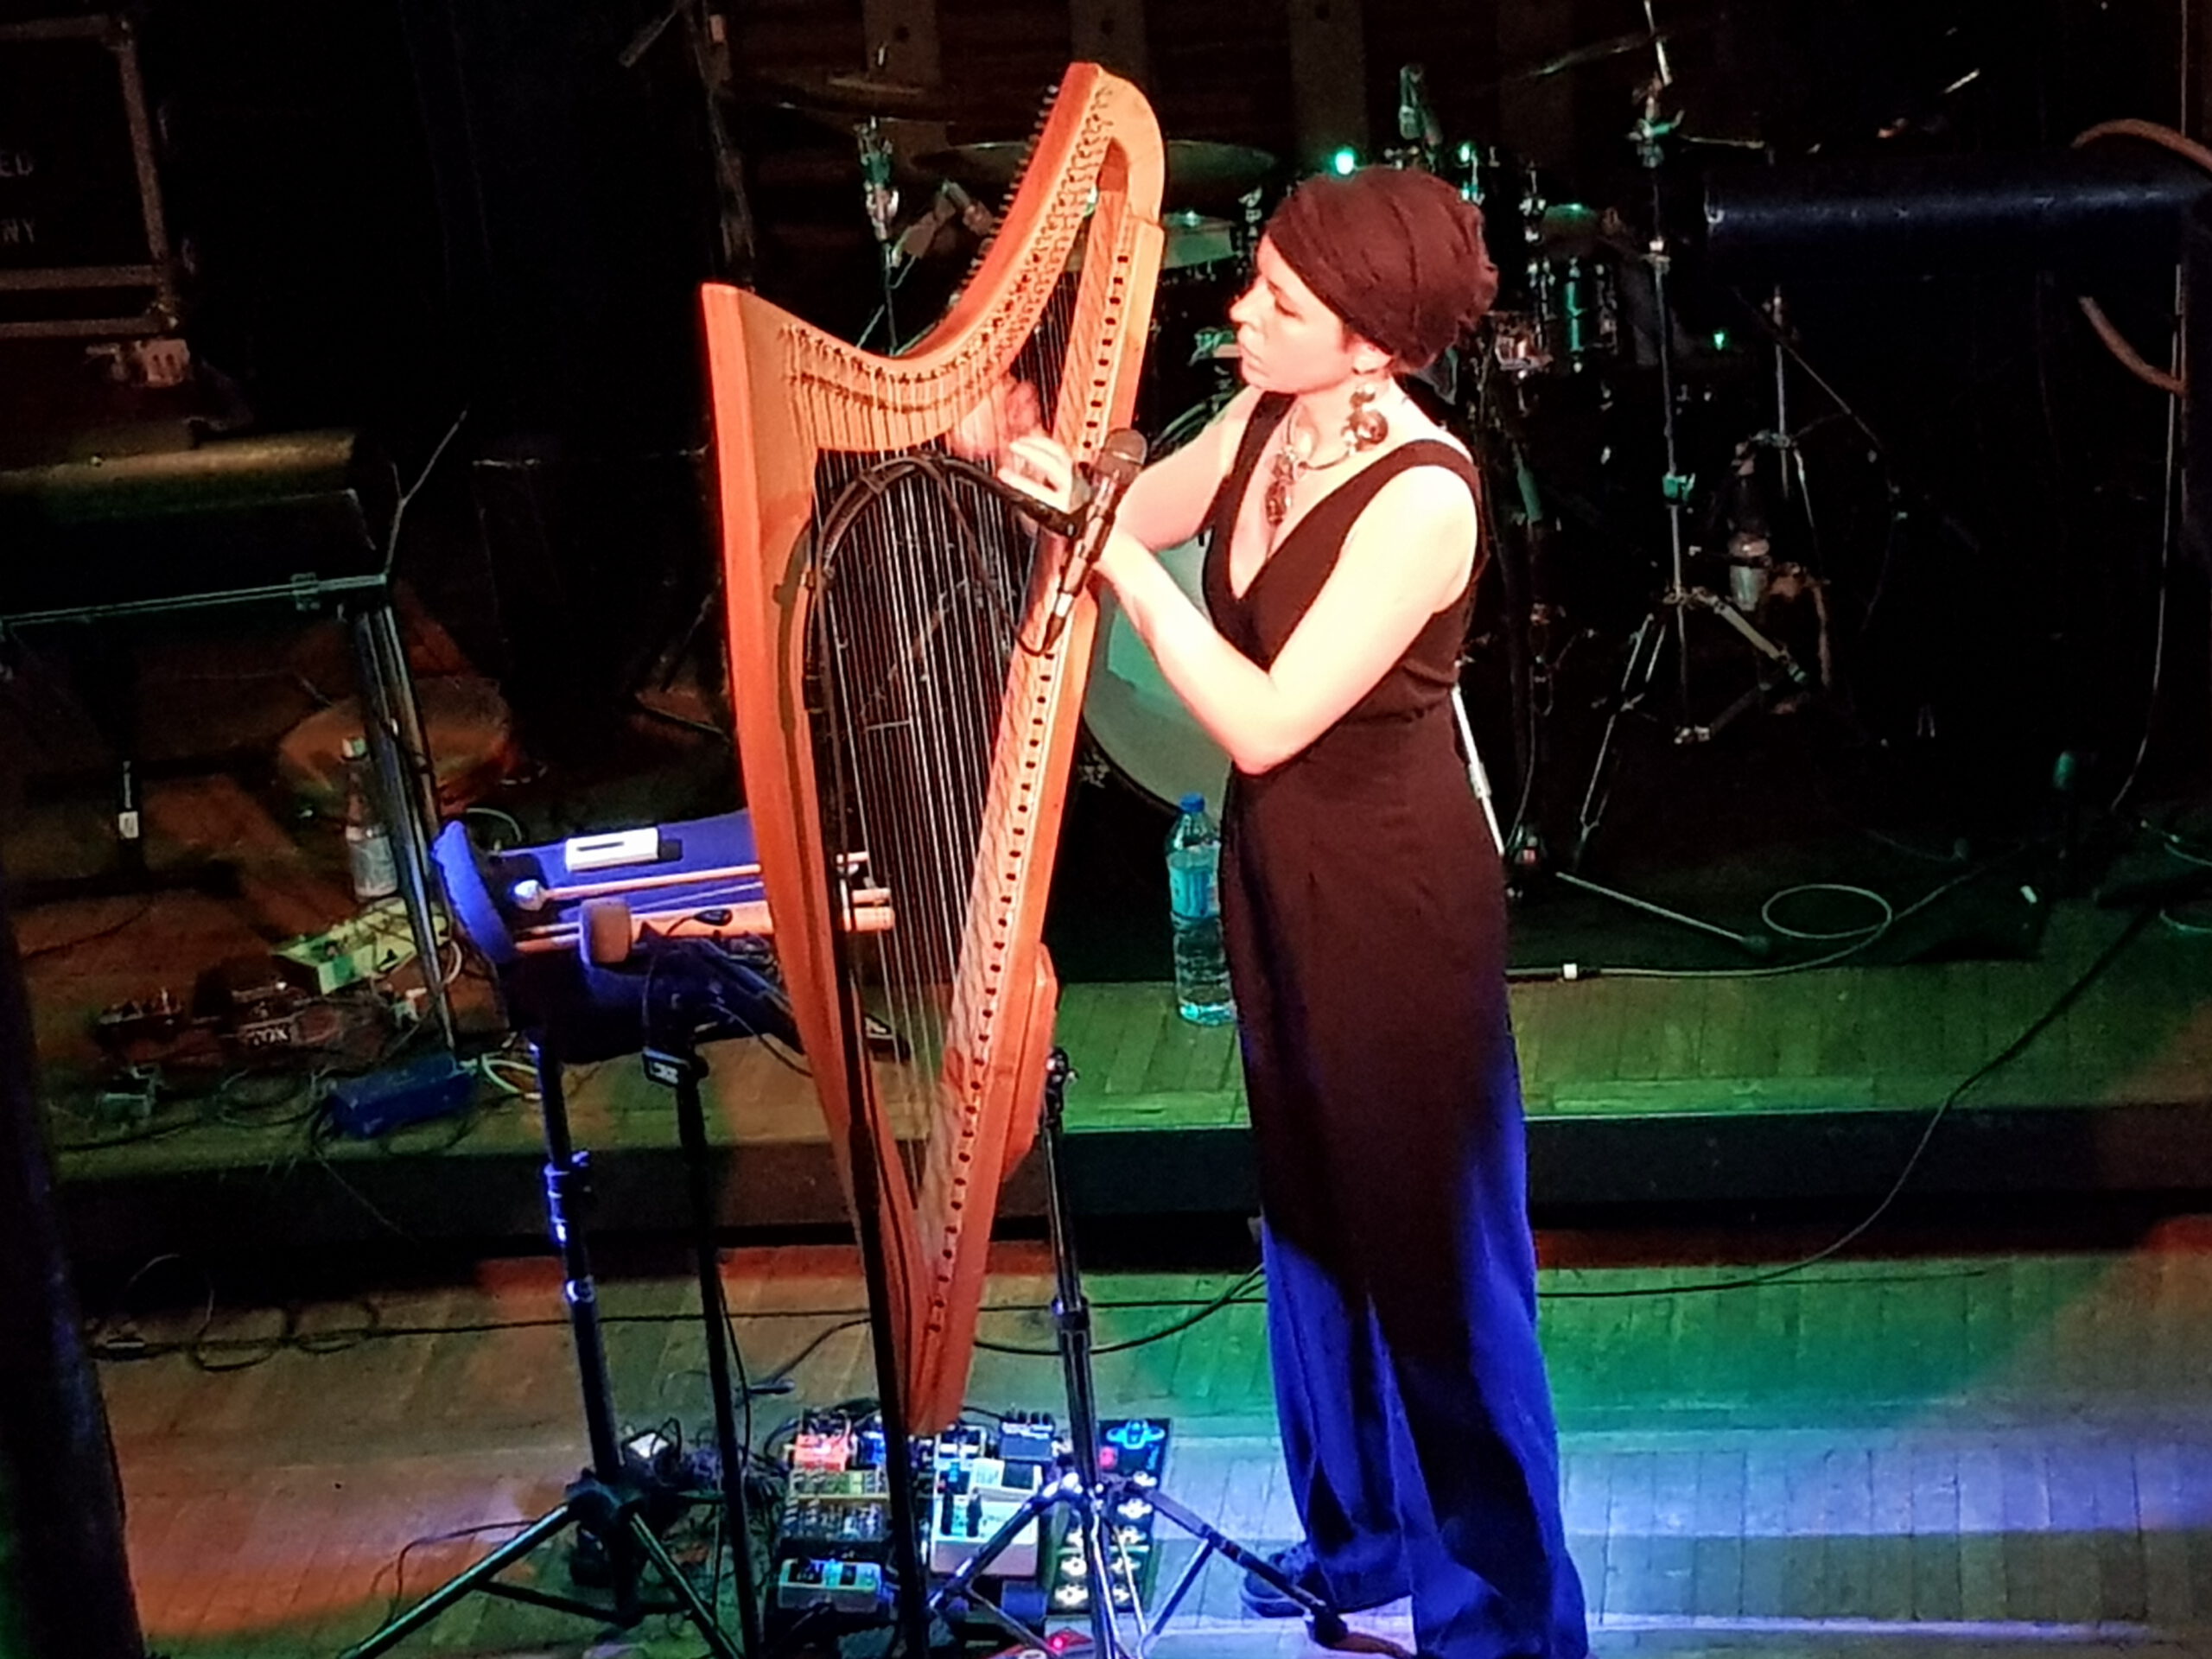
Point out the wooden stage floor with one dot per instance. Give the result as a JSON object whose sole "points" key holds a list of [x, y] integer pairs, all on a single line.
{"points": [[1939, 1451], [1813, 1085]]}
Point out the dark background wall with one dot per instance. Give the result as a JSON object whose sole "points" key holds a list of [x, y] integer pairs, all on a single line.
{"points": [[399, 209]]}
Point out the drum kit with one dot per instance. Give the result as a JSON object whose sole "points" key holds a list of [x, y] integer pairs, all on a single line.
{"points": [[1582, 288]]}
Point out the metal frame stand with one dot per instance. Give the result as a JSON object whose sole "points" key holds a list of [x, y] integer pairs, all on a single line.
{"points": [[407, 787], [1092, 1501], [680, 1068], [604, 1501]]}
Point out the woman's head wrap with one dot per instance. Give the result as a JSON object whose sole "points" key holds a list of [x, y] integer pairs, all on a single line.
{"points": [[1397, 253]]}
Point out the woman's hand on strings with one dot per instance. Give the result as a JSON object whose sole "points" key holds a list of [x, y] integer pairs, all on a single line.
{"points": [[1039, 466], [1005, 414]]}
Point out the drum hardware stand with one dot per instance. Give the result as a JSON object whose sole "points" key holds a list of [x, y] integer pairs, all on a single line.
{"points": [[1528, 661], [1093, 1501], [1668, 621]]}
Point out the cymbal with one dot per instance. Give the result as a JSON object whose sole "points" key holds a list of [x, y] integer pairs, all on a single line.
{"points": [[1617, 45], [1196, 240], [1200, 171], [1574, 230], [856, 95], [1200, 174]]}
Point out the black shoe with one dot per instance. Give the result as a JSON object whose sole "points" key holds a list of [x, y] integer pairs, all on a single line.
{"points": [[1297, 1564]]}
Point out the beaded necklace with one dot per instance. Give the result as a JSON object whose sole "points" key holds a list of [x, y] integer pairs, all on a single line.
{"points": [[1365, 427], [1283, 473]]}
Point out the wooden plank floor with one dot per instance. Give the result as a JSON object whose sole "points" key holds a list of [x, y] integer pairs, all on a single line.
{"points": [[1951, 1453]]}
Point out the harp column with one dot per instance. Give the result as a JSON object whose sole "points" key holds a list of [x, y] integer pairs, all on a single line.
{"points": [[2197, 108]]}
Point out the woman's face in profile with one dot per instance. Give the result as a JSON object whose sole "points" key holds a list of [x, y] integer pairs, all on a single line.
{"points": [[1290, 341]]}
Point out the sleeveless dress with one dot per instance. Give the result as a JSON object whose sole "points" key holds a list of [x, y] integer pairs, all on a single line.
{"points": [[1363, 911]]}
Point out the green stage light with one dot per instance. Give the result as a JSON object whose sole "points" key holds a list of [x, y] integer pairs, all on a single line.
{"points": [[1345, 162]]}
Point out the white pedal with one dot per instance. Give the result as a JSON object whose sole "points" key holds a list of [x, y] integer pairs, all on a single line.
{"points": [[612, 850]]}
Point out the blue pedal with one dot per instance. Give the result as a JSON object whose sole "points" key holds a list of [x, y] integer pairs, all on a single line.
{"points": [[433, 1086]]}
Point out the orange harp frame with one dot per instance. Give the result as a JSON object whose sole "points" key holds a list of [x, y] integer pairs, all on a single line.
{"points": [[898, 710]]}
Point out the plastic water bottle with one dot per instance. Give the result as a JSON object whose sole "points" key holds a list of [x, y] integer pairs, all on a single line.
{"points": [[1194, 902], [368, 839]]}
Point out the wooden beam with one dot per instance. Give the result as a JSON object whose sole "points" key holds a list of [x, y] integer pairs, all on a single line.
{"points": [[1112, 32], [1535, 118], [2197, 113], [902, 35], [1328, 77]]}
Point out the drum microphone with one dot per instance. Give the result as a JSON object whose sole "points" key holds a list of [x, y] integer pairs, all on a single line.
{"points": [[1119, 462], [1417, 121]]}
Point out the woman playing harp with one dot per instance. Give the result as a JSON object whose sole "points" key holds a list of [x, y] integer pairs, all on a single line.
{"points": [[1364, 915]]}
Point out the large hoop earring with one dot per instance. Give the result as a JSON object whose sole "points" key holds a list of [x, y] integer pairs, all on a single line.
{"points": [[1366, 426]]}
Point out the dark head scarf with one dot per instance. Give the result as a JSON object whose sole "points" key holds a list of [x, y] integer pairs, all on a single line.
{"points": [[1398, 254]]}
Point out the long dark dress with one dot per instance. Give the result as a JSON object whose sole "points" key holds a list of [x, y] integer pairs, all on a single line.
{"points": [[1364, 915]]}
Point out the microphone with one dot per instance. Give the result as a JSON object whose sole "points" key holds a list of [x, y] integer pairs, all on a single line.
{"points": [[1120, 460], [877, 194], [1417, 122]]}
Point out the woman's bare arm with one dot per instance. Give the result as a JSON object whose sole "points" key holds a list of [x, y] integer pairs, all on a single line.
{"points": [[1411, 553]]}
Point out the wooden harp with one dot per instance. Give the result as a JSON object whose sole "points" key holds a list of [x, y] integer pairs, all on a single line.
{"points": [[897, 711]]}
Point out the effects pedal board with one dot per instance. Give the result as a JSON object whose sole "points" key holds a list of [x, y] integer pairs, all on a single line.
{"points": [[833, 1546], [1134, 1449], [975, 1487], [835, 1531]]}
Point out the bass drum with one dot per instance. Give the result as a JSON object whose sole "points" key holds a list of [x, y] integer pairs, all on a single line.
{"points": [[1136, 717]]}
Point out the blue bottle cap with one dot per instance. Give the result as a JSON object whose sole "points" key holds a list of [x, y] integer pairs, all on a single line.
{"points": [[1194, 803]]}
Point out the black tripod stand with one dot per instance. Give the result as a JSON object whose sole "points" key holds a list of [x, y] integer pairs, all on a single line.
{"points": [[605, 1502], [1093, 1502]]}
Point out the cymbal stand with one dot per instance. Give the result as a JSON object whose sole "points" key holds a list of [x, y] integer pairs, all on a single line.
{"points": [[1794, 488], [1668, 621]]}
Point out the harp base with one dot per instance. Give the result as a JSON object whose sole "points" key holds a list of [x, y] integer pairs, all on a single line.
{"points": [[1089, 1499], [606, 1503]]}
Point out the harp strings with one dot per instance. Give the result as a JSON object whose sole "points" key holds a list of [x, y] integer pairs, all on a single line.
{"points": [[922, 621]]}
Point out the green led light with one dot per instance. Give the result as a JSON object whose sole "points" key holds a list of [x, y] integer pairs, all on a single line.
{"points": [[1345, 162], [1720, 340], [1467, 151]]}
